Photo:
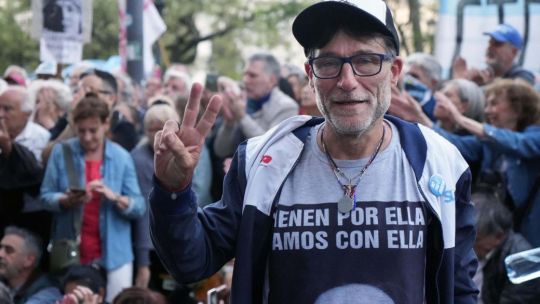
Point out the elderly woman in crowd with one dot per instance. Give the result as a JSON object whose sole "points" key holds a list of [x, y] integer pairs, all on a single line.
{"points": [[105, 197], [467, 96], [508, 146], [52, 99]]}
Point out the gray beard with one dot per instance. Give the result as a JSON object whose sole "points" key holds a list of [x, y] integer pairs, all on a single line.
{"points": [[383, 98]]}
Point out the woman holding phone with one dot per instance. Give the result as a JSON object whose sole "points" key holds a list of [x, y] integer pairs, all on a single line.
{"points": [[97, 211]]}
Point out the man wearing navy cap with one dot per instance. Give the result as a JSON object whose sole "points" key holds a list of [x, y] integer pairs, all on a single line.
{"points": [[504, 45], [356, 205]]}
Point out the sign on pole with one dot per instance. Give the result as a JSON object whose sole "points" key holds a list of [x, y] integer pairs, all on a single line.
{"points": [[61, 26]]}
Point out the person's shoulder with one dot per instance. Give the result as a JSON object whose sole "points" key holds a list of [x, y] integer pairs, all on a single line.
{"points": [[414, 137], [116, 150], [519, 72], [532, 129], [39, 130], [283, 99], [141, 149], [72, 143], [282, 129], [437, 142]]}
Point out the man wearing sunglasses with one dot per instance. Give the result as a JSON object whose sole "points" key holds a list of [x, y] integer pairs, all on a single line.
{"points": [[336, 210]]}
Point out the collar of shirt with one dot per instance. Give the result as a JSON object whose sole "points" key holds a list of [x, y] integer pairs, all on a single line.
{"points": [[254, 105]]}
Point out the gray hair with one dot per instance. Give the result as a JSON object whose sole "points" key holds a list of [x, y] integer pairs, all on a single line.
{"points": [[63, 93], [428, 63], [271, 64], [16, 69], [160, 113], [27, 104], [474, 95], [32, 243], [470, 93], [172, 72]]}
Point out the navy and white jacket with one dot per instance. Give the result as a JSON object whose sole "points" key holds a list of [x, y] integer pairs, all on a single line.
{"points": [[194, 243]]}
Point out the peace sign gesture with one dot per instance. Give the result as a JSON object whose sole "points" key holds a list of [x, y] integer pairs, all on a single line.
{"points": [[178, 147]]}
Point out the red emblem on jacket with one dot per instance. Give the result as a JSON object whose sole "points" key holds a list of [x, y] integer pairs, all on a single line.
{"points": [[266, 159]]}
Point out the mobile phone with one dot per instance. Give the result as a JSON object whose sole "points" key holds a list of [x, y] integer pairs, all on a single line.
{"points": [[77, 190], [211, 83], [214, 295]]}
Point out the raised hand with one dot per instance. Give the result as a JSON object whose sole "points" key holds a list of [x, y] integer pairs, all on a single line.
{"points": [[446, 104], [178, 148], [234, 101], [81, 295], [459, 67], [5, 139], [404, 106], [480, 77]]}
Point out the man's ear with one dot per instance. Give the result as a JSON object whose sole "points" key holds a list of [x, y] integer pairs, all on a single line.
{"points": [[309, 73], [107, 123], [515, 51], [397, 66], [29, 261]]}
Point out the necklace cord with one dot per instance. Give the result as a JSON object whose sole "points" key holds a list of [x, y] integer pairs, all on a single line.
{"points": [[349, 188]]}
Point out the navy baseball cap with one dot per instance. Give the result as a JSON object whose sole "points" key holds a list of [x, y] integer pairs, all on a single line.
{"points": [[372, 15], [506, 33]]}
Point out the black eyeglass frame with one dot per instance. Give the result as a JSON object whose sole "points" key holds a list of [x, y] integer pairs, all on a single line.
{"points": [[382, 57]]}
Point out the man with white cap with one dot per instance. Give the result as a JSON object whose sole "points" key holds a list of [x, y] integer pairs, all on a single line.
{"points": [[357, 199], [504, 45]]}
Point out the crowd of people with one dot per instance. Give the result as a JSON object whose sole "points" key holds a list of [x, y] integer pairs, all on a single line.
{"points": [[96, 170]]}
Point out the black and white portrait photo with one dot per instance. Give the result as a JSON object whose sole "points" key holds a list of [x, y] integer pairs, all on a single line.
{"points": [[63, 16]]}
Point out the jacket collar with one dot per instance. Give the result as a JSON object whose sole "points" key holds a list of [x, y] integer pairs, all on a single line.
{"points": [[411, 138]]}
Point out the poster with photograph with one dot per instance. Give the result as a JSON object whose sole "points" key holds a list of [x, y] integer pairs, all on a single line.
{"points": [[62, 27]]}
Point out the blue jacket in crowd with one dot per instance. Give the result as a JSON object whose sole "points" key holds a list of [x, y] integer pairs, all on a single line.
{"points": [[118, 173], [521, 151]]}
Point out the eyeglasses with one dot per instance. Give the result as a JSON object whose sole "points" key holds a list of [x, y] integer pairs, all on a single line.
{"points": [[364, 65], [87, 89]]}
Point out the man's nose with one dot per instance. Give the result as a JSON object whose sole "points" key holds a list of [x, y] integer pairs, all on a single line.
{"points": [[347, 79], [86, 136]]}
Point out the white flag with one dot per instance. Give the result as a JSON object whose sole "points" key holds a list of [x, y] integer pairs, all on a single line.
{"points": [[153, 28]]}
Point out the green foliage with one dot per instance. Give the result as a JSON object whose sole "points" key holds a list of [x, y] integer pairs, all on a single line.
{"points": [[417, 32], [230, 25], [226, 58], [17, 46], [105, 29]]}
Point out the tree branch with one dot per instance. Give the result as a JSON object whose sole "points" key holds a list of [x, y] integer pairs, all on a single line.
{"points": [[194, 42]]}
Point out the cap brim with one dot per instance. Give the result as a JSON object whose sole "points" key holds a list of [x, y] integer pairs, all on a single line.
{"points": [[314, 20], [496, 36]]}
